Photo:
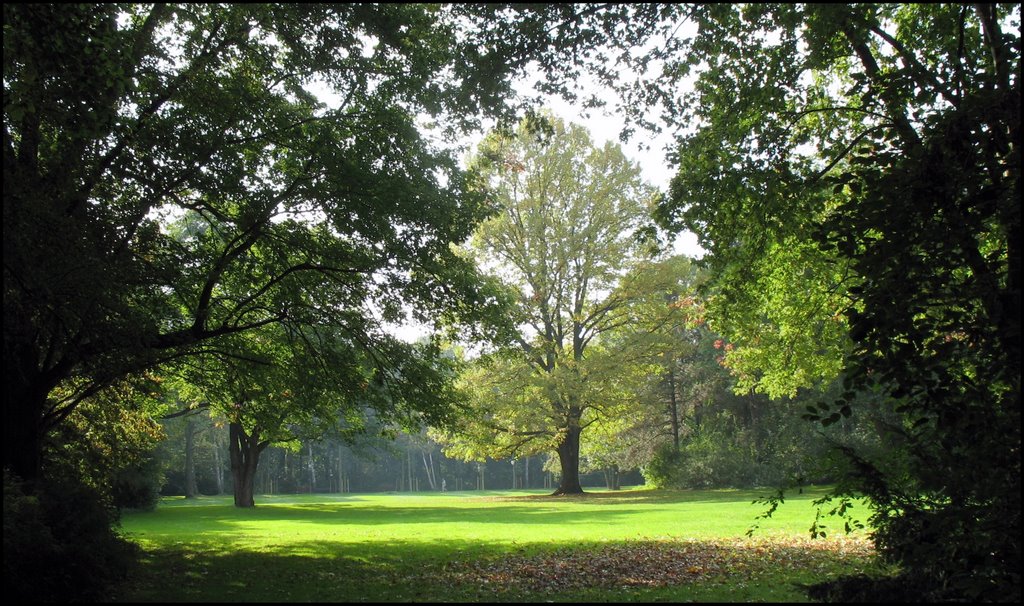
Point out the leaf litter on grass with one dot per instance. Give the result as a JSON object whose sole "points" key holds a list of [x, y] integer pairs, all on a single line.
{"points": [[655, 563]]}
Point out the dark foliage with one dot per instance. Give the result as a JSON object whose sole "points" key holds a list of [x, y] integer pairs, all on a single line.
{"points": [[137, 486], [59, 545], [864, 589]]}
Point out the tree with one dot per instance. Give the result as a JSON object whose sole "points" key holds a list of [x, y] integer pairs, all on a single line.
{"points": [[275, 387], [876, 147], [646, 354], [566, 234], [108, 444], [192, 449], [120, 119]]}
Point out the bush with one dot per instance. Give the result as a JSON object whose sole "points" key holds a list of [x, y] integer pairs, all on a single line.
{"points": [[137, 486], [59, 543], [662, 471], [708, 460]]}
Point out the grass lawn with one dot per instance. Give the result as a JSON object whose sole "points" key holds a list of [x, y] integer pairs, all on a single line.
{"points": [[631, 545]]}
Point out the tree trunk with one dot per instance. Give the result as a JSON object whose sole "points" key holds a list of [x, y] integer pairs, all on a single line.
{"points": [[245, 456], [25, 399], [429, 469], [611, 477], [190, 459], [569, 459], [312, 470], [218, 467], [341, 471], [673, 409], [408, 468]]}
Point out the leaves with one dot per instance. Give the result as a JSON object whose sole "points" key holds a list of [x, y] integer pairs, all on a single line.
{"points": [[653, 563]]}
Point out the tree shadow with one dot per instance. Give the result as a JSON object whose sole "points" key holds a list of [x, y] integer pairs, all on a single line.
{"points": [[469, 571]]}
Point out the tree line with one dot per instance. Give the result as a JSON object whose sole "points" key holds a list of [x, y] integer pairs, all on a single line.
{"points": [[404, 464]]}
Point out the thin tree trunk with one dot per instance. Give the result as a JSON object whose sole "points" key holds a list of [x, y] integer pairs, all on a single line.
{"points": [[429, 470], [218, 468], [408, 468], [312, 470], [190, 461], [673, 409], [341, 471]]}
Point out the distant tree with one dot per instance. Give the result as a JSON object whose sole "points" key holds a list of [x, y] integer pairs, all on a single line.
{"points": [[656, 331], [189, 447], [275, 387], [567, 232]]}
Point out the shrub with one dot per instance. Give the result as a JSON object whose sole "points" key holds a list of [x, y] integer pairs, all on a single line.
{"points": [[137, 486], [59, 542], [662, 471]]}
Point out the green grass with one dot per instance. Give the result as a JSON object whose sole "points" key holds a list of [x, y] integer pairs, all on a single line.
{"points": [[490, 546]]}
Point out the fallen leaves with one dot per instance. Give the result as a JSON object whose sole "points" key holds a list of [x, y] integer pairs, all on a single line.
{"points": [[651, 563]]}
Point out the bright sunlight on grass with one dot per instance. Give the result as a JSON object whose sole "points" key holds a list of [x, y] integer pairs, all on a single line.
{"points": [[632, 545]]}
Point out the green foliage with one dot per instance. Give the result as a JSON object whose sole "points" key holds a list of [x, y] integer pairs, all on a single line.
{"points": [[276, 387], [720, 454], [58, 542], [138, 486], [663, 469], [209, 193], [745, 440], [859, 199], [109, 443]]}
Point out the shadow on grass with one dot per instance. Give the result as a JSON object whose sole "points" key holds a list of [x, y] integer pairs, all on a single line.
{"points": [[509, 514], [216, 500], [470, 571], [592, 496], [325, 571], [662, 496], [224, 518], [339, 510]]}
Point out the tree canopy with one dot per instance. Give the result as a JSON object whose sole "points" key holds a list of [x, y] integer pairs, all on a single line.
{"points": [[120, 120], [854, 173]]}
